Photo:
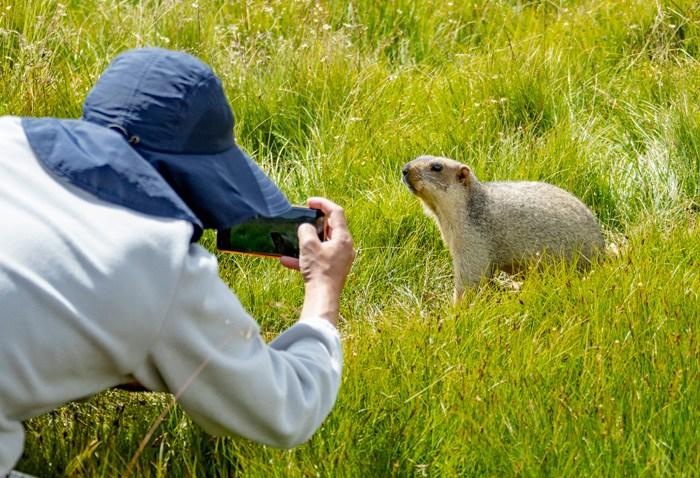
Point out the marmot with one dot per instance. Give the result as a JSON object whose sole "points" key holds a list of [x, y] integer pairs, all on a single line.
{"points": [[500, 225]]}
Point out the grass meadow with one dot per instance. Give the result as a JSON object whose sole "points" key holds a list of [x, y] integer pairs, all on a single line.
{"points": [[593, 374]]}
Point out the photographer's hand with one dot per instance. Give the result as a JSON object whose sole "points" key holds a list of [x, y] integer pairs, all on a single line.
{"points": [[323, 265]]}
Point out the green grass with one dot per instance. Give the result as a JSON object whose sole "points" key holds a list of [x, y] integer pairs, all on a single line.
{"points": [[574, 375]]}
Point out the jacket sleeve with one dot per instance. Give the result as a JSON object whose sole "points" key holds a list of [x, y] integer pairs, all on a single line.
{"points": [[210, 354]]}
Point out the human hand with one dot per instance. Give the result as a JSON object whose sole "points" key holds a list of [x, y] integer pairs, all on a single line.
{"points": [[325, 265]]}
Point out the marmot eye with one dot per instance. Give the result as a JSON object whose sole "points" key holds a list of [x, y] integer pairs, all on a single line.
{"points": [[436, 167]]}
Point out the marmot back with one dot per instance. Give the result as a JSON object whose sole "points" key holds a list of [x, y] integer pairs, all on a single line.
{"points": [[501, 225]]}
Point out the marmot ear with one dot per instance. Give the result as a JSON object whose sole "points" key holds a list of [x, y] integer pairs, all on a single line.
{"points": [[463, 175]]}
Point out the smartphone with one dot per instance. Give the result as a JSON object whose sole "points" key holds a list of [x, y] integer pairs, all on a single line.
{"points": [[270, 236]]}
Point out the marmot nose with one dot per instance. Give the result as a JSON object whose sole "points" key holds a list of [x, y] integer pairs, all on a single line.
{"points": [[405, 169]]}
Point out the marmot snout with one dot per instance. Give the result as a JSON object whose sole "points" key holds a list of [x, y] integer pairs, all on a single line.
{"points": [[500, 225]]}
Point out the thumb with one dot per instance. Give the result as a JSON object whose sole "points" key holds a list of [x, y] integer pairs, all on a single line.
{"points": [[307, 233]]}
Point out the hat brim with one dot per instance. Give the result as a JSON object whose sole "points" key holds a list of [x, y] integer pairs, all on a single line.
{"points": [[222, 189]]}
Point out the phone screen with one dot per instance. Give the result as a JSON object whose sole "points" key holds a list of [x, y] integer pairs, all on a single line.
{"points": [[270, 236]]}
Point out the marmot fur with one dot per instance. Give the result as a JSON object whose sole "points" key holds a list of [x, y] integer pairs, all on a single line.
{"points": [[500, 225]]}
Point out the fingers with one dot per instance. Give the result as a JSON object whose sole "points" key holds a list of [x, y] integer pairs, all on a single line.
{"points": [[335, 215], [307, 236], [290, 262], [329, 208], [306, 233], [325, 205]]}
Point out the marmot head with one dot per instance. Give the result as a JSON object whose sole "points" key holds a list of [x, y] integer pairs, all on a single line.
{"points": [[436, 180]]}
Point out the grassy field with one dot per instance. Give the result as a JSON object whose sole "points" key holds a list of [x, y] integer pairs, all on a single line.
{"points": [[592, 374]]}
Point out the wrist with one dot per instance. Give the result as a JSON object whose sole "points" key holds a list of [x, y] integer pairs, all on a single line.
{"points": [[325, 287], [322, 301]]}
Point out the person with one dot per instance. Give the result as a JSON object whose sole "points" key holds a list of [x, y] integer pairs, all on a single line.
{"points": [[102, 282]]}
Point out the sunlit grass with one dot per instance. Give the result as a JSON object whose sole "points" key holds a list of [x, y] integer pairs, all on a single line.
{"points": [[591, 374]]}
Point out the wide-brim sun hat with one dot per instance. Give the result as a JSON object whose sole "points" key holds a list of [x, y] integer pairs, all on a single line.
{"points": [[166, 108]]}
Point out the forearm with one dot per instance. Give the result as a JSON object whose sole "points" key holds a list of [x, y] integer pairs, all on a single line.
{"points": [[277, 394], [321, 301]]}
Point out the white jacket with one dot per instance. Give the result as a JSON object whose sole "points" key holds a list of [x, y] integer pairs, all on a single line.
{"points": [[93, 294]]}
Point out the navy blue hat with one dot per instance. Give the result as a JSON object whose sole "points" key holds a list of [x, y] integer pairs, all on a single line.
{"points": [[170, 108]]}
